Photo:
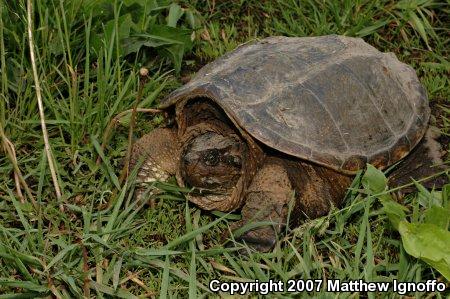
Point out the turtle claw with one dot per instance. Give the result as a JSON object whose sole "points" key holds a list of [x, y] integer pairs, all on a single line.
{"points": [[261, 239]]}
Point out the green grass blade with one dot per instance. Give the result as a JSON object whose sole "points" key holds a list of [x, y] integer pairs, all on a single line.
{"points": [[165, 279], [105, 160]]}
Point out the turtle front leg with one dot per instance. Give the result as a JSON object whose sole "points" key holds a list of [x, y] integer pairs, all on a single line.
{"points": [[314, 188], [266, 200], [159, 153]]}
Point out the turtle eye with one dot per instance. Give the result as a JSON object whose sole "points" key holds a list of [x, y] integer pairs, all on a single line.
{"points": [[211, 157]]}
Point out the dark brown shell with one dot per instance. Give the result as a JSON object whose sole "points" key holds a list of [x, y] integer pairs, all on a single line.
{"points": [[332, 100]]}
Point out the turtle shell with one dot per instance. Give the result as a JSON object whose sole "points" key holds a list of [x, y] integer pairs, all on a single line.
{"points": [[332, 100]]}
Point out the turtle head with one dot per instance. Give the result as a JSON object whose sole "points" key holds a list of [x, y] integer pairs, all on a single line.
{"points": [[212, 161], [214, 157]]}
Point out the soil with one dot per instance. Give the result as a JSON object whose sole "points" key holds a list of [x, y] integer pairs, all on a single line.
{"points": [[438, 113]]}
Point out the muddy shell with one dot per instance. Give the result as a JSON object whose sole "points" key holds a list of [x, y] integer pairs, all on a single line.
{"points": [[332, 100]]}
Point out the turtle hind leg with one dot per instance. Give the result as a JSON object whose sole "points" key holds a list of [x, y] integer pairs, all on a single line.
{"points": [[425, 161], [266, 200], [156, 154]]}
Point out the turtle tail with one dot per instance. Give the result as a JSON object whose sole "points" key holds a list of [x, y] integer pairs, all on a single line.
{"points": [[423, 164]]}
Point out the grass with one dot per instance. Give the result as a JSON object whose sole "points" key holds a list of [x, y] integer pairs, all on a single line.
{"points": [[102, 244]]}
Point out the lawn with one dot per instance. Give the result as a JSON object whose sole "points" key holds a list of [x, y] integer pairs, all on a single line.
{"points": [[69, 226]]}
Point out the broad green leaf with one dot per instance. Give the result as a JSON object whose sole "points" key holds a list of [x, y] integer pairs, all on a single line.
{"points": [[157, 37], [139, 2], [151, 4], [429, 243], [438, 216], [175, 13], [446, 196], [174, 35], [394, 210], [98, 7], [175, 54], [374, 180], [170, 42], [426, 198], [192, 19], [124, 24], [134, 43]]}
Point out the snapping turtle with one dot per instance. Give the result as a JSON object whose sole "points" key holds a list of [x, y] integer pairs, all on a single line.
{"points": [[289, 119]]}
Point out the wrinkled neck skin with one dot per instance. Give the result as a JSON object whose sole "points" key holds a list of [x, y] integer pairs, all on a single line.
{"points": [[217, 159]]}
